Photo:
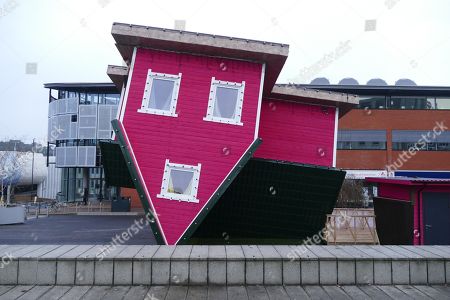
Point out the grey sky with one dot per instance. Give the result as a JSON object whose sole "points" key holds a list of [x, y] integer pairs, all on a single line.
{"points": [[70, 41]]}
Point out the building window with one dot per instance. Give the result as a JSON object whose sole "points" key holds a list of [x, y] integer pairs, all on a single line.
{"points": [[225, 102], [111, 99], [404, 102], [420, 140], [361, 140], [410, 103], [442, 103], [405, 146], [161, 94], [375, 102], [92, 98], [180, 182]]}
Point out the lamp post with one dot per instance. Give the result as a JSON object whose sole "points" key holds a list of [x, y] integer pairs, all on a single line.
{"points": [[32, 171]]}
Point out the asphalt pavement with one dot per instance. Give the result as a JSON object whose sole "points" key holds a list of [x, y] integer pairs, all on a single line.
{"points": [[75, 229]]}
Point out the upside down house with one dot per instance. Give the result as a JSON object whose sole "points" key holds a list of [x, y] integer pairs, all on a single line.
{"points": [[218, 152]]}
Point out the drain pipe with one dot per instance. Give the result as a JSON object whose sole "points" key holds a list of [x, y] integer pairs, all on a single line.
{"points": [[419, 213]]}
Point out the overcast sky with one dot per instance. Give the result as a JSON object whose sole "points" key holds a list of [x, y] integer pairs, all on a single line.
{"points": [[69, 41]]}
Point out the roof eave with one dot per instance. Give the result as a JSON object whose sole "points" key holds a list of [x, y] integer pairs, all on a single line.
{"points": [[274, 55], [117, 74], [345, 102]]}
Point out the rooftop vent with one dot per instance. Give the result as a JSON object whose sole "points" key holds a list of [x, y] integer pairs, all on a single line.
{"points": [[348, 81], [376, 81], [180, 25], [405, 82], [320, 81]]}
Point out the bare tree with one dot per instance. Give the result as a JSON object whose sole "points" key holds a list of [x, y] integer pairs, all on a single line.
{"points": [[11, 169], [352, 194]]}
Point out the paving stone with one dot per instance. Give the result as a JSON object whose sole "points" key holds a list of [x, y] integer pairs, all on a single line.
{"points": [[310, 272], [237, 293], [256, 292], [273, 267], [327, 265], [65, 272], [400, 272], [176, 292], [116, 292], [179, 265], [142, 265], [46, 272], [104, 272], [136, 293], [418, 272], [291, 267], [27, 272], [198, 265], [254, 265], [76, 292], [84, 272], [364, 270], [217, 292], [436, 272], [9, 272], [197, 292], [161, 265], [235, 265], [56, 292]]}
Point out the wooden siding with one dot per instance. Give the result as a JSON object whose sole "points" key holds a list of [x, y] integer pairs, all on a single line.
{"points": [[394, 191], [297, 132], [188, 139]]}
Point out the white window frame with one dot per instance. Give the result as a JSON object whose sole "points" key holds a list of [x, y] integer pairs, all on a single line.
{"points": [[166, 177], [147, 91], [212, 97]]}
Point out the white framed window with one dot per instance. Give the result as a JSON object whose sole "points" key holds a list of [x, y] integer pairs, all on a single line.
{"points": [[225, 102], [160, 94], [180, 182]]}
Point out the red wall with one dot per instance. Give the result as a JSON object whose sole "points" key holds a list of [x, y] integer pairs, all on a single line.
{"points": [[296, 132], [188, 139], [392, 120], [136, 204], [394, 191]]}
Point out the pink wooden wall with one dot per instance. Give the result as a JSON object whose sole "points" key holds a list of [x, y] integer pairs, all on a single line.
{"points": [[296, 132], [394, 191], [403, 193], [188, 139]]}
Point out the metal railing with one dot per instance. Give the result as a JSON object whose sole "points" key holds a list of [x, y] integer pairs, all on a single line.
{"points": [[36, 209]]}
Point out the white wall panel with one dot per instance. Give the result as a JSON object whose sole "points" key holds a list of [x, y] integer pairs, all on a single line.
{"points": [[87, 156], [87, 122], [106, 113]]}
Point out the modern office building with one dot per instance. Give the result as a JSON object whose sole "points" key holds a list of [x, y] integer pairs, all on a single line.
{"points": [[397, 130], [79, 117]]}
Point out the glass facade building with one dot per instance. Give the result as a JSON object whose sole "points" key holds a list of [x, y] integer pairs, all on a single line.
{"points": [[79, 118]]}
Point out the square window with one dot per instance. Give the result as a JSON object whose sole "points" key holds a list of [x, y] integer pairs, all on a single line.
{"points": [[160, 94], [180, 182], [225, 102]]}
